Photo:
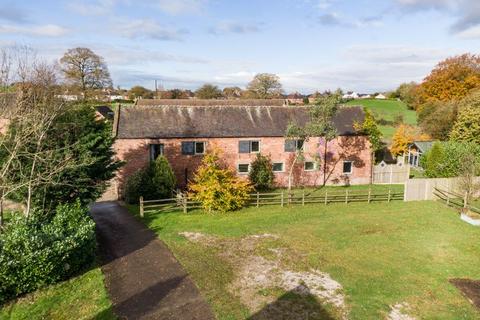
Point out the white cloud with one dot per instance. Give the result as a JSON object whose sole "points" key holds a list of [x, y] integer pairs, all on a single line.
{"points": [[103, 7], [47, 30], [97, 7], [147, 28], [466, 12], [176, 7], [235, 27]]}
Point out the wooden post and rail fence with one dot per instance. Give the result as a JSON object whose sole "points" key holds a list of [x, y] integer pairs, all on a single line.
{"points": [[455, 199], [183, 203]]}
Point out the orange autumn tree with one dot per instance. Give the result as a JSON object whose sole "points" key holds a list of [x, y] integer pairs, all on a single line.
{"points": [[405, 135], [452, 79]]}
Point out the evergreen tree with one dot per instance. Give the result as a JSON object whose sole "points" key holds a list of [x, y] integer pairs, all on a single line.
{"points": [[261, 173], [163, 178]]}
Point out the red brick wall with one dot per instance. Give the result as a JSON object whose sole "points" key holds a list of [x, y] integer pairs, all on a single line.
{"points": [[135, 152]]}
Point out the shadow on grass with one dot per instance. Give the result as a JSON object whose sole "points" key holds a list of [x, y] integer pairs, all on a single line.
{"points": [[294, 306]]}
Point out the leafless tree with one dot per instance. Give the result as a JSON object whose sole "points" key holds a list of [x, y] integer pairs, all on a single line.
{"points": [[468, 177], [28, 113], [85, 70]]}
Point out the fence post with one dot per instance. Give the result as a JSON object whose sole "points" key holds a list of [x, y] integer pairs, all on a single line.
{"points": [[346, 196], [258, 199], [185, 203], [326, 197], [141, 207], [389, 194], [369, 194], [465, 200], [282, 200], [303, 197], [391, 174]]}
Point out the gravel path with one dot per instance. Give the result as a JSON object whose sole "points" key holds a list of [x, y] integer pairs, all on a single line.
{"points": [[143, 278]]}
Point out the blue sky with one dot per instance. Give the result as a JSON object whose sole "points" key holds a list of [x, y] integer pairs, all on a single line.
{"points": [[312, 45]]}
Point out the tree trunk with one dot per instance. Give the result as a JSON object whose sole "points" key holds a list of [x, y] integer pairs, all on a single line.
{"points": [[325, 163]]}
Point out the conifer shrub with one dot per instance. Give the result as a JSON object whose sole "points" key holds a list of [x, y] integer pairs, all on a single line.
{"points": [[217, 188], [261, 173]]}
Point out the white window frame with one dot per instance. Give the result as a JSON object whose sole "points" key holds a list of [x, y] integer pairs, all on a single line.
{"points": [[250, 146], [195, 147], [150, 150], [243, 164], [303, 145], [351, 167], [283, 167], [259, 148], [314, 166]]}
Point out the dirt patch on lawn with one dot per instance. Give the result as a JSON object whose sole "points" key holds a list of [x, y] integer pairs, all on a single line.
{"points": [[470, 289], [398, 312], [258, 278]]}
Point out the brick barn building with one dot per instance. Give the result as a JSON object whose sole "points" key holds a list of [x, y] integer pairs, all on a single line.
{"points": [[184, 133]]}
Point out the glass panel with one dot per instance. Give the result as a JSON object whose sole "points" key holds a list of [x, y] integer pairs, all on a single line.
{"points": [[155, 151], [300, 144], [309, 166], [290, 145], [347, 167], [243, 168], [277, 167], [244, 146], [199, 147], [188, 147], [255, 147]]}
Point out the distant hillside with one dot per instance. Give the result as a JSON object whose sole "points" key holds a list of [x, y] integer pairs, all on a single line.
{"points": [[385, 112]]}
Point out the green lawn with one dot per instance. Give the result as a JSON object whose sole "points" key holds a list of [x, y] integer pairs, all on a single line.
{"points": [[382, 254], [83, 297], [387, 110]]}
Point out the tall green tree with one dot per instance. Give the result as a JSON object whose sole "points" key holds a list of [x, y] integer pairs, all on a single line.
{"points": [[370, 128], [140, 92], [80, 148], [261, 173], [467, 126], [208, 91], [320, 125], [265, 86]]}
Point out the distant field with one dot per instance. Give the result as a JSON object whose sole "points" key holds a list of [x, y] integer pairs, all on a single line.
{"points": [[387, 110]]}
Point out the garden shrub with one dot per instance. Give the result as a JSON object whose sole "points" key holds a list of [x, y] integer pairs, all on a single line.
{"points": [[43, 250], [444, 160], [156, 181], [218, 188], [261, 173]]}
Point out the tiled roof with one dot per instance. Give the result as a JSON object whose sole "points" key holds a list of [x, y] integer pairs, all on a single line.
{"points": [[166, 121]]}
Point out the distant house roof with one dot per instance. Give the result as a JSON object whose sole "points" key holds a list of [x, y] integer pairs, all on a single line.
{"points": [[105, 111], [423, 146], [210, 102], [220, 121]]}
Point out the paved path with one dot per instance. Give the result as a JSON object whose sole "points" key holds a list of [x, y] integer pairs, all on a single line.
{"points": [[143, 278]]}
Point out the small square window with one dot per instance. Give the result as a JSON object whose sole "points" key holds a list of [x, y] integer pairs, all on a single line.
{"points": [[309, 166], [155, 151], [199, 147], [255, 146], [277, 167], [243, 168], [347, 167], [188, 147], [300, 144], [293, 145]]}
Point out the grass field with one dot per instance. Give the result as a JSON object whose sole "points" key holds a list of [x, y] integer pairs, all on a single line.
{"points": [[387, 110], [82, 297], [382, 255]]}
